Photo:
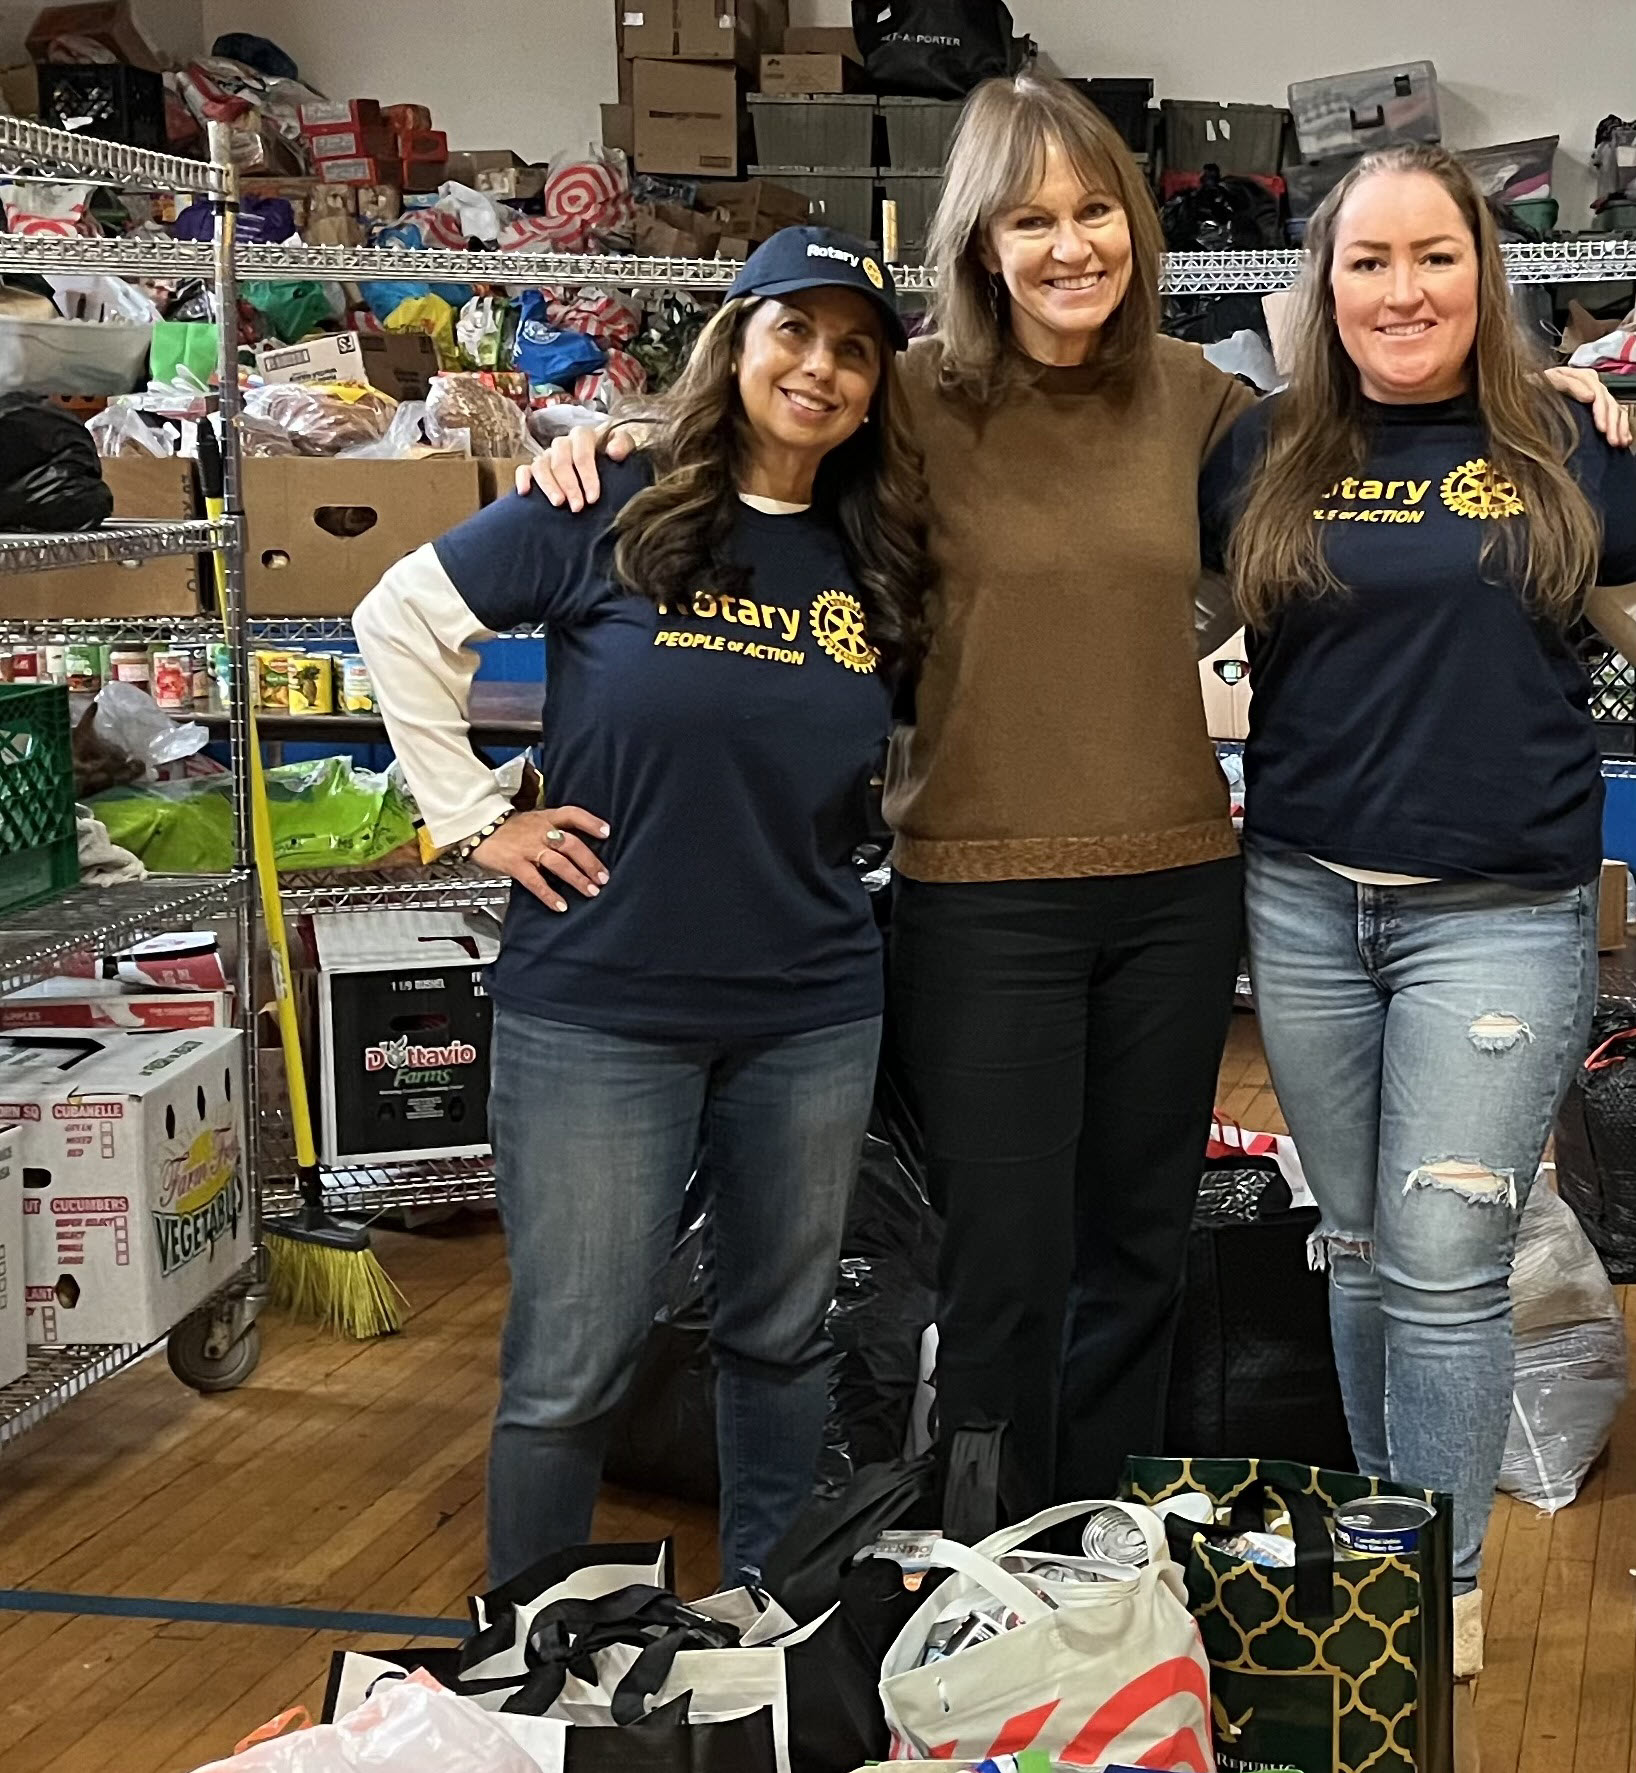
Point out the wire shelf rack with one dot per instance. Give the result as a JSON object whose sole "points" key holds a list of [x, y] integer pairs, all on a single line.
{"points": [[54, 1377], [449, 888], [33, 149], [35, 944], [385, 1188], [114, 543]]}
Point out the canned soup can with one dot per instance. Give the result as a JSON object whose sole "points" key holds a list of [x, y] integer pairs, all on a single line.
{"points": [[1382, 1526]]}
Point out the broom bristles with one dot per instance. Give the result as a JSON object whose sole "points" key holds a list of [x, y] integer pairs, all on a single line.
{"points": [[345, 1292]]}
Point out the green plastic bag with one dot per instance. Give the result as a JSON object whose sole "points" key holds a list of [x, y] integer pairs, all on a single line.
{"points": [[291, 310], [325, 814], [189, 345]]}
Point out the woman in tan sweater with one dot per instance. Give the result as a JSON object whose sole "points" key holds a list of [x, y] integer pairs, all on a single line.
{"points": [[1067, 925]]}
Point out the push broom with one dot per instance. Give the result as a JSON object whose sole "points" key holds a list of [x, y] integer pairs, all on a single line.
{"points": [[321, 1268]]}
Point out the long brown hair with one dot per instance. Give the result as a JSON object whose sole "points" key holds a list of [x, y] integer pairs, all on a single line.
{"points": [[997, 158], [672, 539], [1320, 432]]}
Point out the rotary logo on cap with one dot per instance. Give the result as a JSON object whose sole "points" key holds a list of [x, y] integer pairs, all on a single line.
{"points": [[872, 271]]}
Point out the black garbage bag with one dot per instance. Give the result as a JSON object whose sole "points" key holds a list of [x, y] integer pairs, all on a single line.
{"points": [[1596, 1140], [1222, 213], [50, 473], [936, 48], [1253, 1374]]}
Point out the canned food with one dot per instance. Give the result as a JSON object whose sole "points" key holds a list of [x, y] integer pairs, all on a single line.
{"points": [[173, 682], [84, 667], [221, 676], [273, 680], [312, 684], [357, 686], [1112, 1536], [1382, 1526], [25, 664], [199, 658], [130, 664], [5, 664]]}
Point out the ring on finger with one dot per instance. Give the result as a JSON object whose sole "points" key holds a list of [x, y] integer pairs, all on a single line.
{"points": [[556, 836]]}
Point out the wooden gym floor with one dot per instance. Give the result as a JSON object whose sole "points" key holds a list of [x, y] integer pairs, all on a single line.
{"points": [[349, 1478]]}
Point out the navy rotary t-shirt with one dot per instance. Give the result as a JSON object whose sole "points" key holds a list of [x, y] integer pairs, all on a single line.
{"points": [[730, 751], [1423, 721]]}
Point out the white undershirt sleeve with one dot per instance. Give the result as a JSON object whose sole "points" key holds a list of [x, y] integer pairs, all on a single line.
{"points": [[415, 632]]}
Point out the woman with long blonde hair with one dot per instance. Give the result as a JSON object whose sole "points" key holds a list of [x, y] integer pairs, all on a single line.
{"points": [[1410, 529]]}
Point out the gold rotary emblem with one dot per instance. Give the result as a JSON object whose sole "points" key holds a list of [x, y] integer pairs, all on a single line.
{"points": [[838, 627], [872, 271], [1475, 490]]}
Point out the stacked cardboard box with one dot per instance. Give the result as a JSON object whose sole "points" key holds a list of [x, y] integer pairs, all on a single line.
{"points": [[359, 143]]}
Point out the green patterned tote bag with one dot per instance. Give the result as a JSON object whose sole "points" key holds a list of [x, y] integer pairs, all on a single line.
{"points": [[1337, 1664]]}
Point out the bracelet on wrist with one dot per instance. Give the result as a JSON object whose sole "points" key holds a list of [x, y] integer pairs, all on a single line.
{"points": [[463, 850]]}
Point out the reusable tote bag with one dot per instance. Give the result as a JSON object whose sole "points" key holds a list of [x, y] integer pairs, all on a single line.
{"points": [[1095, 1672], [1337, 1665]]}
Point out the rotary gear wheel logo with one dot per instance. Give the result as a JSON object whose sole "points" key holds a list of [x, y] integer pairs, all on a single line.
{"points": [[1475, 490], [838, 627]]}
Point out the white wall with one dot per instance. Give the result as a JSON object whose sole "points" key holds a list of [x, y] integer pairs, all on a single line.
{"points": [[496, 74], [1508, 69], [174, 27]]}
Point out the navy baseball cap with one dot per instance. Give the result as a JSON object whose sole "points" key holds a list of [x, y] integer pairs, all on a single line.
{"points": [[822, 258]]}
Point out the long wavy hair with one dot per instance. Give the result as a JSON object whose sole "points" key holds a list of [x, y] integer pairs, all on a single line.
{"points": [[996, 160], [672, 539], [1320, 432]]}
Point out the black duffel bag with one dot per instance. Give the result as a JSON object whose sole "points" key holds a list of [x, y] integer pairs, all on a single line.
{"points": [[936, 48]]}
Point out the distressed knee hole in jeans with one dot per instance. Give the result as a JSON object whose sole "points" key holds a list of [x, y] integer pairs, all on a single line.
{"points": [[1324, 1246], [1498, 1032], [1473, 1181]]}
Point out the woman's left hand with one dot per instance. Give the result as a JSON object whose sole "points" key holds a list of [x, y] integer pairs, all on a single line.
{"points": [[1608, 414]]}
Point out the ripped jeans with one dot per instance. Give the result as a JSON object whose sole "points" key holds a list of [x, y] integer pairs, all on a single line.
{"points": [[1420, 1039]]}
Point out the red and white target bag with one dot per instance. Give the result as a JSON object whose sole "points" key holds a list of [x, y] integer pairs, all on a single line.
{"points": [[1095, 1672]]}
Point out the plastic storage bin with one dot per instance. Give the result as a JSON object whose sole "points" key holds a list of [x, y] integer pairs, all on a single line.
{"points": [[73, 356], [1237, 138], [1126, 105], [918, 132], [828, 131], [109, 100], [1308, 186], [915, 194], [1513, 172], [39, 851], [1351, 113], [840, 198]]}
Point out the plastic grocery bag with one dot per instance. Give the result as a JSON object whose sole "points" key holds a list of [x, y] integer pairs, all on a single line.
{"points": [[129, 720], [120, 430], [1570, 1356], [408, 1725], [183, 345]]}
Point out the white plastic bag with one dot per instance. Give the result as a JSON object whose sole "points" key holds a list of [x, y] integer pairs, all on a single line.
{"points": [[408, 1725], [130, 720], [103, 298], [403, 436], [120, 430], [1571, 1356]]}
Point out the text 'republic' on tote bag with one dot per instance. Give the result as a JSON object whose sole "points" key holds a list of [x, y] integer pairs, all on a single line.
{"points": [[1093, 1672], [1335, 1663]]}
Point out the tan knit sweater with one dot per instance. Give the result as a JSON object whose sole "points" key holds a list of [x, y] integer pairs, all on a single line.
{"points": [[1059, 726]]}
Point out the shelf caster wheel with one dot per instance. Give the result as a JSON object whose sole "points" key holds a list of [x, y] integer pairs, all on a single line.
{"points": [[204, 1359]]}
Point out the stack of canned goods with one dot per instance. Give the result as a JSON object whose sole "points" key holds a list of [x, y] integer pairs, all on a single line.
{"points": [[297, 682]]}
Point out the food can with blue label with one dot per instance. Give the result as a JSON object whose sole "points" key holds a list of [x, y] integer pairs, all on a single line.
{"points": [[1381, 1526]]}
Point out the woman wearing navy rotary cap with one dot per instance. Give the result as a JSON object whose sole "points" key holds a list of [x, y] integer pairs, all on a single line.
{"points": [[689, 957]]}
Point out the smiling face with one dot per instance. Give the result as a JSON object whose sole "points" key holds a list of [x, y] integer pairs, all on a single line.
{"points": [[808, 366], [1064, 253], [1404, 285]]}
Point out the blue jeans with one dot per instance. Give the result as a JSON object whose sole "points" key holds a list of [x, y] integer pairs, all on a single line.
{"points": [[595, 1138], [1420, 1039]]}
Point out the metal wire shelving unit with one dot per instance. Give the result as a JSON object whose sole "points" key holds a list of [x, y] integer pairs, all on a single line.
{"points": [[36, 943]]}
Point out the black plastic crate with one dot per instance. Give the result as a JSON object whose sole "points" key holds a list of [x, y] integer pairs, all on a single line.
{"points": [[109, 100], [1125, 103]]}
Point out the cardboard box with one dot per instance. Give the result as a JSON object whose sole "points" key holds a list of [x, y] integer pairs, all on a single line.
{"points": [[369, 171], [422, 144], [376, 203], [497, 476], [619, 128], [424, 175], [692, 30], [323, 531], [13, 1312], [109, 24], [134, 1200], [497, 172], [1224, 680], [1610, 909], [404, 1032], [143, 486], [755, 209], [687, 119], [400, 364], [398, 118], [822, 40], [671, 230], [792, 75], [20, 90], [109, 1004], [326, 114], [352, 144]]}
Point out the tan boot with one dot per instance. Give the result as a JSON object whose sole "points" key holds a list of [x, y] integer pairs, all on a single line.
{"points": [[1468, 1664]]}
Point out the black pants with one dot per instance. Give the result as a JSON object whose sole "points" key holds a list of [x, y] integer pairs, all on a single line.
{"points": [[1061, 1040]]}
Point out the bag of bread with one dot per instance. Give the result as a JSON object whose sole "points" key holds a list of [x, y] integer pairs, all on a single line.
{"points": [[314, 418], [468, 409]]}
